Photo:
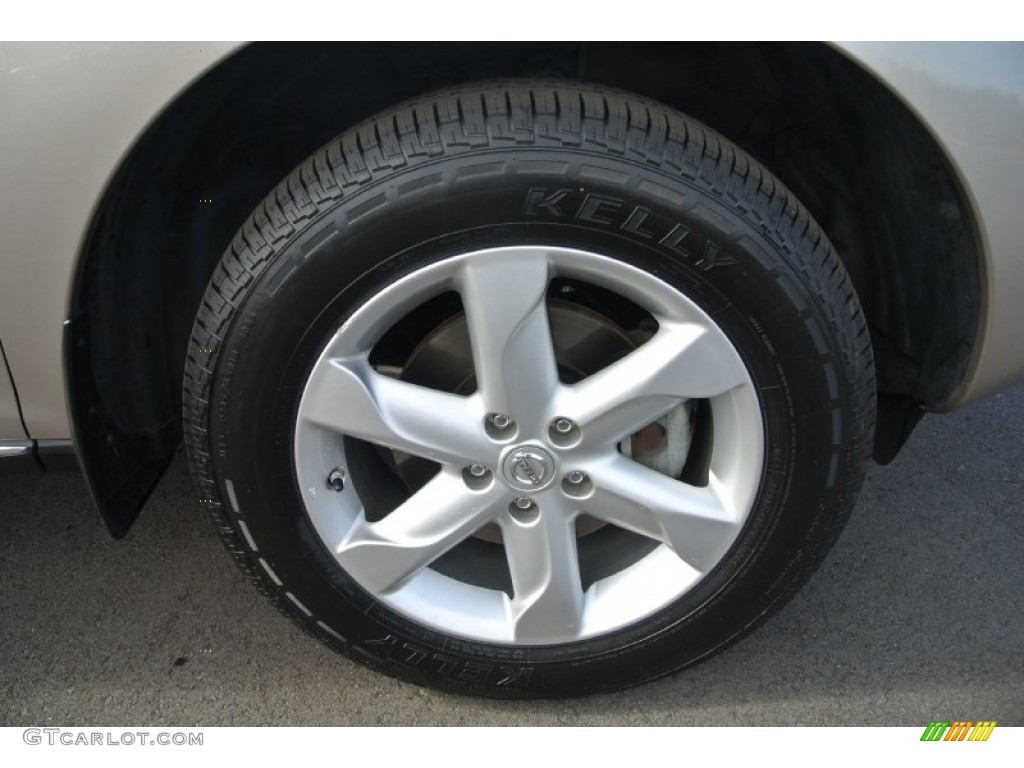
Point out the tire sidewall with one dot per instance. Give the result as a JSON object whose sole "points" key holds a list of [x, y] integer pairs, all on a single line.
{"points": [[746, 277]]}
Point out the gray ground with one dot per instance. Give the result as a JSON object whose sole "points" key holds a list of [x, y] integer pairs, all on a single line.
{"points": [[915, 616]]}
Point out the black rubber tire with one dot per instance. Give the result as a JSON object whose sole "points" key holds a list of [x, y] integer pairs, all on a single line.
{"points": [[502, 163]]}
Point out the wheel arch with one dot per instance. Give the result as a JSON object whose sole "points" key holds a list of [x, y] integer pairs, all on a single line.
{"points": [[851, 151]]}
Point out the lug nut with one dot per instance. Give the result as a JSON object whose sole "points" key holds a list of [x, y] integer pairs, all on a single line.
{"points": [[500, 428], [524, 511], [477, 477], [577, 485], [336, 480], [563, 432]]}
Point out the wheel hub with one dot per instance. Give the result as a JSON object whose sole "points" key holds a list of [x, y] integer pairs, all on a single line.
{"points": [[528, 468]]}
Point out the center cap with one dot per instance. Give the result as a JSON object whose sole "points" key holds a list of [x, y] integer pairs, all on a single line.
{"points": [[528, 468]]}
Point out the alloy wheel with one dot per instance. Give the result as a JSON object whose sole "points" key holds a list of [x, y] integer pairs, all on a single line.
{"points": [[527, 462]]}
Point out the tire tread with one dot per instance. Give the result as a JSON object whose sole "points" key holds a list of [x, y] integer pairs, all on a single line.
{"points": [[539, 114]]}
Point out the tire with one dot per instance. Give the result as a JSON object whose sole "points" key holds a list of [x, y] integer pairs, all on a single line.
{"points": [[529, 389]]}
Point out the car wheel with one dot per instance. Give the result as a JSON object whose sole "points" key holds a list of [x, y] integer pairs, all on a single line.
{"points": [[529, 389]]}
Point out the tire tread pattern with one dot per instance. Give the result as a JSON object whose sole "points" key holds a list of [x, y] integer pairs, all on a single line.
{"points": [[520, 114]]}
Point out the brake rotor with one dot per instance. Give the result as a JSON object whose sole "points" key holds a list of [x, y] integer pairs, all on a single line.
{"points": [[584, 342]]}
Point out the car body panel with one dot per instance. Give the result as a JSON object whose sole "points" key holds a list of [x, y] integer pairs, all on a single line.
{"points": [[55, 173], [10, 416], [71, 112], [971, 97]]}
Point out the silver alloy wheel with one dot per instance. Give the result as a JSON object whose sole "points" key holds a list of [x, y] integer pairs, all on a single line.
{"points": [[561, 470]]}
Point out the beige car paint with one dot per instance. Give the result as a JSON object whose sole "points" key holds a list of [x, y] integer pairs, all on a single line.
{"points": [[971, 96], [10, 421], [71, 111]]}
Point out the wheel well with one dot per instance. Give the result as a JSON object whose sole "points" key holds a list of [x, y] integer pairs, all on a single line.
{"points": [[858, 159]]}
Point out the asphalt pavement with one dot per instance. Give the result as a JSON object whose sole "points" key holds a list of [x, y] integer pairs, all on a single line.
{"points": [[916, 615]]}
